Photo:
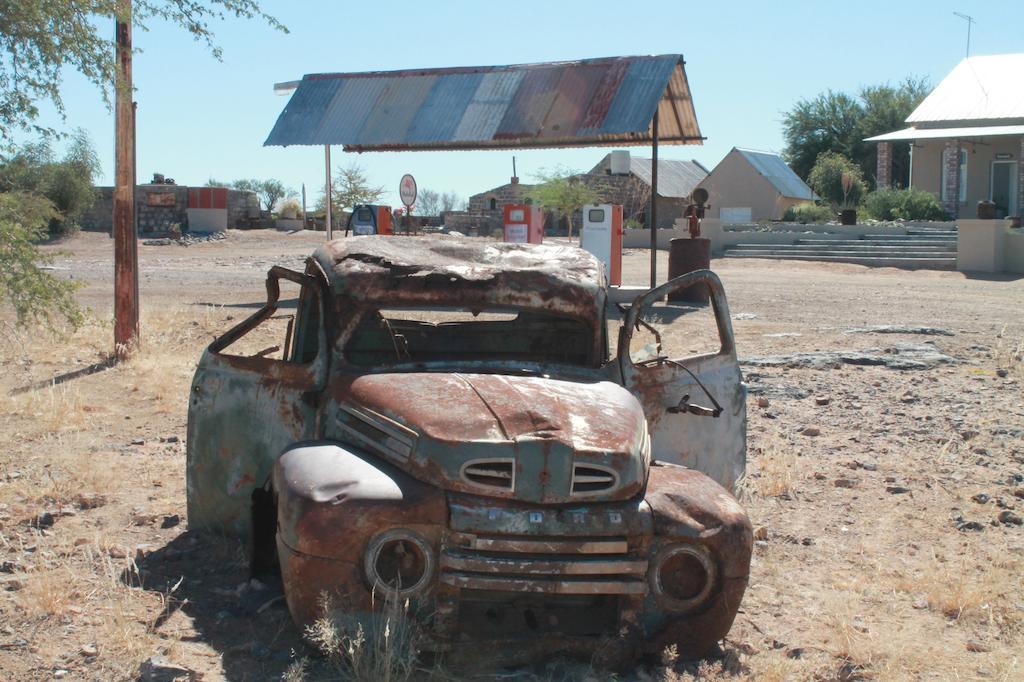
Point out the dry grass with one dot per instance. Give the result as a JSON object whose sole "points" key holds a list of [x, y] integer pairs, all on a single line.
{"points": [[775, 467]]}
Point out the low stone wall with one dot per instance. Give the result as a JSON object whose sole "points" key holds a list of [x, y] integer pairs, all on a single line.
{"points": [[158, 207], [989, 246]]}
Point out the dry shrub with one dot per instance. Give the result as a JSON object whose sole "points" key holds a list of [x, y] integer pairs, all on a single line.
{"points": [[49, 592], [380, 646], [778, 468], [972, 592]]}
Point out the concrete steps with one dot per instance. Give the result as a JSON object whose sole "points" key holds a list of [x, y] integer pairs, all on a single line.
{"points": [[921, 248], [905, 262]]}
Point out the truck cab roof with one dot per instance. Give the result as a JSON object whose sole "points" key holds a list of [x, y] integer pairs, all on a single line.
{"points": [[445, 269]]}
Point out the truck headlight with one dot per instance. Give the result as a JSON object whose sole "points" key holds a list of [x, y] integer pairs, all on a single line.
{"points": [[399, 561], [683, 576]]}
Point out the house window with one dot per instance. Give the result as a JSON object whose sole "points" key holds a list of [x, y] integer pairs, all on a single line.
{"points": [[963, 179], [494, 204]]}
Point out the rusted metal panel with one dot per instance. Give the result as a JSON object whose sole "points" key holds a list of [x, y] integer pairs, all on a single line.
{"points": [[588, 102], [490, 101], [524, 117], [517, 585], [575, 92], [395, 109], [350, 105], [490, 564], [435, 121]]}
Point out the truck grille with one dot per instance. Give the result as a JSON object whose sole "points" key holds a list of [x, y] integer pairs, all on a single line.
{"points": [[496, 474], [588, 479], [542, 565]]}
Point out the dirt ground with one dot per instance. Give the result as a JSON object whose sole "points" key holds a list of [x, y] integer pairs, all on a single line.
{"points": [[885, 478]]}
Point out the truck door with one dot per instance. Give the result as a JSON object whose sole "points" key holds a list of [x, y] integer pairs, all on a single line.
{"points": [[256, 390], [679, 359]]}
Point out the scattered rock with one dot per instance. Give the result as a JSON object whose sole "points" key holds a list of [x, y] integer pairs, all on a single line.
{"points": [[143, 519], [170, 521], [844, 483], [1009, 518], [81, 541], [920, 604], [969, 526], [745, 316], [60, 674], [12, 584], [900, 329], [90, 500], [138, 441], [159, 669], [807, 542], [981, 498], [169, 439], [763, 402], [8, 566], [896, 489], [1019, 493], [811, 431], [968, 434], [44, 520], [88, 650], [118, 552], [761, 533], [1002, 373], [822, 401], [868, 466], [976, 647], [908, 399], [900, 356]]}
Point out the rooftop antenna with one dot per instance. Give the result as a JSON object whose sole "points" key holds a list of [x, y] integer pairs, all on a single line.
{"points": [[970, 20]]}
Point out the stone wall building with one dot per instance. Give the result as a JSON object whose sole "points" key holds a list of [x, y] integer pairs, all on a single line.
{"points": [[159, 206], [629, 185]]}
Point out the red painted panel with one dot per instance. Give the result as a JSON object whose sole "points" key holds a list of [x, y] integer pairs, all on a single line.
{"points": [[219, 197]]}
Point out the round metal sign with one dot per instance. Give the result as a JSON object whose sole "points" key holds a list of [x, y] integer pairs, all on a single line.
{"points": [[407, 190]]}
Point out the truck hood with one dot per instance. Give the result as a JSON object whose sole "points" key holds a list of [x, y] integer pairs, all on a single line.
{"points": [[534, 439]]}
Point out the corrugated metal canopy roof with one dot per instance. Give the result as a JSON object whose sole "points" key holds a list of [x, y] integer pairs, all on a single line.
{"points": [[592, 102], [777, 172], [979, 88]]}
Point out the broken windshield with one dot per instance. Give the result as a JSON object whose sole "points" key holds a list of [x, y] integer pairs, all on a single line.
{"points": [[393, 336]]}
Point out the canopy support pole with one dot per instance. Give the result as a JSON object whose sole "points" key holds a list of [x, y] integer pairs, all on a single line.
{"points": [[327, 191], [654, 200]]}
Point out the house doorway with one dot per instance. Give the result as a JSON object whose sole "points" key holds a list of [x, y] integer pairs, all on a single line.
{"points": [[1004, 188]]}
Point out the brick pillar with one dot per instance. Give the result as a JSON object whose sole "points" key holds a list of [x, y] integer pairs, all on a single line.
{"points": [[1020, 179], [883, 170], [951, 177]]}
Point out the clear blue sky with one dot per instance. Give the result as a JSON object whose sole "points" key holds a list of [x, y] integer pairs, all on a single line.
{"points": [[747, 62]]}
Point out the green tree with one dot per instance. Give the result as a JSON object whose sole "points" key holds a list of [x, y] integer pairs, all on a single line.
{"points": [[885, 108], [827, 123], [36, 295], [839, 122], [69, 184], [562, 190], [350, 186], [41, 38], [837, 180], [272, 191]]}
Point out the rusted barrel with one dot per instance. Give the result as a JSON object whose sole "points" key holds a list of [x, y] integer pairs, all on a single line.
{"points": [[687, 255]]}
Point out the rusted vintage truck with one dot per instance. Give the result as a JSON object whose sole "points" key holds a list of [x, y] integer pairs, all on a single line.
{"points": [[442, 419]]}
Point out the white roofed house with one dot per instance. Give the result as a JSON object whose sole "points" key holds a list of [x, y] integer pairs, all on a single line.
{"points": [[752, 186], [967, 138]]}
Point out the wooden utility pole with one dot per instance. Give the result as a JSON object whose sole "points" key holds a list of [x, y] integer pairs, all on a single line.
{"points": [[126, 249], [654, 200]]}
